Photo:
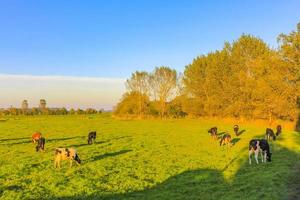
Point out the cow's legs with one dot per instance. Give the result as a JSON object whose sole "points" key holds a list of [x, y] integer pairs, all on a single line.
{"points": [[262, 156], [256, 155], [250, 153], [57, 163]]}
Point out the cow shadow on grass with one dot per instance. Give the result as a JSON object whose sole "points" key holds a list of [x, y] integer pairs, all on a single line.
{"points": [[10, 139], [63, 139], [240, 132], [100, 157], [235, 140], [16, 143], [264, 181], [221, 133], [86, 144]]}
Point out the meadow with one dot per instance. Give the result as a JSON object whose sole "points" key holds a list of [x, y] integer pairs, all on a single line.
{"points": [[143, 159]]}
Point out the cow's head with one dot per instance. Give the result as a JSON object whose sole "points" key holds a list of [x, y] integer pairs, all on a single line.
{"points": [[77, 159]]}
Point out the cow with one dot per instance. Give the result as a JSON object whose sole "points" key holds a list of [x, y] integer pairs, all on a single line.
{"points": [[213, 132], [225, 140], [92, 137], [278, 130], [270, 134], [260, 146], [40, 144], [66, 154], [35, 137], [236, 129]]}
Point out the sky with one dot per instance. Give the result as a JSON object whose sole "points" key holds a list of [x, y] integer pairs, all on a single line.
{"points": [[61, 47]]}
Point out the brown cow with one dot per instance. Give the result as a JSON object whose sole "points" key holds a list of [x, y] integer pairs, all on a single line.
{"points": [[36, 136]]}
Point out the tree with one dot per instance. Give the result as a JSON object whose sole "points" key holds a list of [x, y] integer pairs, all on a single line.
{"points": [[139, 84], [164, 82], [24, 106], [72, 111], [42, 104], [290, 53], [130, 106]]}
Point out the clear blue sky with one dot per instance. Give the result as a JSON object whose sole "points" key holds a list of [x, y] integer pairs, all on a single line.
{"points": [[113, 38]]}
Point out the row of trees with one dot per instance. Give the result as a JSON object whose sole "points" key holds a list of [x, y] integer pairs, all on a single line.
{"points": [[47, 111], [44, 110], [245, 79]]}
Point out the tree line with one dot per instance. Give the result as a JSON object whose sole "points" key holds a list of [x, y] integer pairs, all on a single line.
{"points": [[42, 109], [245, 79]]}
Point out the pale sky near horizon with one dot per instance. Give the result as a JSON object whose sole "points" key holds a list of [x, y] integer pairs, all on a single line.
{"points": [[60, 91], [79, 53]]}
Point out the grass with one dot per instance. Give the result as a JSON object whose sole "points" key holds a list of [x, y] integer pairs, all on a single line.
{"points": [[142, 159]]}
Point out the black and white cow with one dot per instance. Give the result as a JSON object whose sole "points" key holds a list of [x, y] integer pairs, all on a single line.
{"points": [[270, 134], [213, 132], [236, 129], [92, 137], [40, 144], [66, 154], [226, 140], [261, 146]]}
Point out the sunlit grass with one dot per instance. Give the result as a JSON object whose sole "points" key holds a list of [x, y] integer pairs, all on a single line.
{"points": [[140, 159]]}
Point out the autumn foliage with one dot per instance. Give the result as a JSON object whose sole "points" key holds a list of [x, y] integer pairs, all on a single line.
{"points": [[245, 79]]}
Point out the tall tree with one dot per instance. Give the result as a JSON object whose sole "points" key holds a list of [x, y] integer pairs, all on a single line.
{"points": [[139, 85], [164, 82], [24, 106], [290, 53], [42, 104]]}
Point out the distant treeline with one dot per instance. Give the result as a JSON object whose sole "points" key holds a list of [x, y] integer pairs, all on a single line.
{"points": [[47, 111], [245, 79], [44, 110]]}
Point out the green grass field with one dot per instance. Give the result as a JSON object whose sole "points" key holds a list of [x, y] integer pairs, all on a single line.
{"points": [[142, 159]]}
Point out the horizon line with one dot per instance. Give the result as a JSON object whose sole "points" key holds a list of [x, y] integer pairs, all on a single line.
{"points": [[60, 78]]}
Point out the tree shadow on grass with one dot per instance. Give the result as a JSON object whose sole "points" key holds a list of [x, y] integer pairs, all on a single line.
{"points": [[100, 157], [294, 189], [11, 188], [250, 182]]}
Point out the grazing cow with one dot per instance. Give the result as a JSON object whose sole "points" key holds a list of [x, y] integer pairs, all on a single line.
{"points": [[259, 146], [236, 129], [40, 144], [213, 132], [92, 137], [36, 136], [66, 154], [278, 130], [226, 139], [270, 134]]}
